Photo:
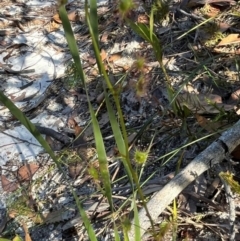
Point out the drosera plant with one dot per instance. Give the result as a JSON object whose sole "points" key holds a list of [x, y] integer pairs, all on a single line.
{"points": [[212, 33], [117, 123], [119, 132], [160, 10], [72, 76]]}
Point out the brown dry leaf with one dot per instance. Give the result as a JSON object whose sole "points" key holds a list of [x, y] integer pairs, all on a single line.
{"points": [[56, 18], [75, 169], [104, 38], [230, 39], [27, 236], [206, 124], [203, 122], [80, 138], [223, 26], [71, 122], [143, 18], [77, 130], [26, 172], [126, 67], [72, 16], [115, 57], [203, 103], [52, 26], [235, 96], [91, 60], [103, 54], [7, 185]]}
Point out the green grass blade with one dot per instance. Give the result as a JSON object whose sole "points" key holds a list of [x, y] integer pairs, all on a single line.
{"points": [[28, 124], [96, 129], [71, 41], [151, 23], [141, 29], [136, 221], [115, 127], [118, 137], [116, 234], [85, 218], [94, 19], [147, 34], [174, 217], [94, 38], [75, 54], [115, 95], [102, 158]]}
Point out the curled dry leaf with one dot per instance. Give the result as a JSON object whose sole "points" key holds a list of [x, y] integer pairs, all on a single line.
{"points": [[206, 124], [230, 39], [80, 138], [114, 57], [26, 172], [7, 185], [103, 54], [75, 169], [74, 125], [104, 38], [203, 103], [72, 16]]}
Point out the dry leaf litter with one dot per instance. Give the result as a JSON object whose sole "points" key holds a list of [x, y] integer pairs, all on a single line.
{"points": [[33, 61]]}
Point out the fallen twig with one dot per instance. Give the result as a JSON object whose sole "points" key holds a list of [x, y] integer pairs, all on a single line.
{"points": [[213, 155]]}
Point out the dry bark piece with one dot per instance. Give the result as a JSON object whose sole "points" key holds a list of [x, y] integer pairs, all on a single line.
{"points": [[54, 134]]}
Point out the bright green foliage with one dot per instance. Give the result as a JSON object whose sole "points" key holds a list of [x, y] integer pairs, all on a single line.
{"points": [[228, 177], [160, 9], [125, 6], [17, 238], [72, 76], [93, 172], [164, 228], [140, 156]]}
